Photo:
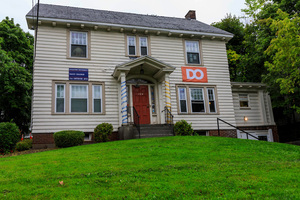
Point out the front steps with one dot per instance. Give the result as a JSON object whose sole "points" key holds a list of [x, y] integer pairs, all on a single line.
{"points": [[154, 130]]}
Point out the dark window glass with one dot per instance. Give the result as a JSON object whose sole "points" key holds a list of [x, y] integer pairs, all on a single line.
{"points": [[97, 105], [264, 138], [78, 105], [193, 58], [183, 106], [212, 107], [78, 51], [198, 106], [60, 103], [131, 50], [143, 51]]}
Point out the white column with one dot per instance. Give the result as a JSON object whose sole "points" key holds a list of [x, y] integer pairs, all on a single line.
{"points": [[123, 103]]}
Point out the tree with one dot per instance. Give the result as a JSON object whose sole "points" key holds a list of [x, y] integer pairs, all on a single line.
{"points": [[284, 50], [16, 54], [235, 47]]}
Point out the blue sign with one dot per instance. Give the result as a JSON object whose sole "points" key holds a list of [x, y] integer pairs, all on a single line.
{"points": [[77, 74]]}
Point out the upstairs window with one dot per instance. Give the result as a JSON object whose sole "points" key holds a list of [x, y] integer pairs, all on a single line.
{"points": [[192, 52], [244, 100], [78, 41], [131, 45], [137, 46], [143, 46]]}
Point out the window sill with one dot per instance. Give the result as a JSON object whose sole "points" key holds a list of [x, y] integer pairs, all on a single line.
{"points": [[245, 108], [78, 58], [192, 64]]}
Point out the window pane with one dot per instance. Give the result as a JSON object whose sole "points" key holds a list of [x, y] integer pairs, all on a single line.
{"points": [[97, 91], [79, 38], [60, 93], [97, 105], [144, 51], [193, 58], [152, 99], [78, 51], [60, 104], [79, 91], [143, 42], [244, 100], [131, 40], [211, 100], [131, 50], [192, 46], [198, 106], [78, 105], [183, 106]]}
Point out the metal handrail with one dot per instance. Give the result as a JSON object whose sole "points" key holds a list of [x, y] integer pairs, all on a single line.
{"points": [[136, 119], [218, 119], [169, 118]]}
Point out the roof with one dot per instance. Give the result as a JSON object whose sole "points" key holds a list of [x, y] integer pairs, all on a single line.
{"points": [[121, 18]]}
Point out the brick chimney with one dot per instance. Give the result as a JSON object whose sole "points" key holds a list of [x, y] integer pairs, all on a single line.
{"points": [[191, 15]]}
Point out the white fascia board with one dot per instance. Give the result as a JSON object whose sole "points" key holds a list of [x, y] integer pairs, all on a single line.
{"points": [[131, 26]]}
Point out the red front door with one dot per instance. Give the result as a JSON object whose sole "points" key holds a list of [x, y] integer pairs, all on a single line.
{"points": [[140, 97]]}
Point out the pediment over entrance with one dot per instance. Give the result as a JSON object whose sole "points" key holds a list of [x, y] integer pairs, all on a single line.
{"points": [[146, 66]]}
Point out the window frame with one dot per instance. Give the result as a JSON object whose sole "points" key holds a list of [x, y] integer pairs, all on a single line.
{"points": [[55, 101], [214, 99], [87, 97], [93, 98], [191, 103], [67, 105], [205, 99], [69, 44], [185, 95], [137, 45], [248, 101], [186, 52]]}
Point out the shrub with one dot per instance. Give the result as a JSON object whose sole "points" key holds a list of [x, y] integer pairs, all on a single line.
{"points": [[68, 138], [9, 136], [29, 142], [102, 132], [22, 146], [183, 128]]}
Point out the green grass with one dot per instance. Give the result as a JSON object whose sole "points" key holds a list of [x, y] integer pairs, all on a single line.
{"points": [[156, 168]]}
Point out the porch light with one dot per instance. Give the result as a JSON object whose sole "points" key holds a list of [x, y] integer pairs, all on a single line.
{"points": [[245, 118], [142, 70]]}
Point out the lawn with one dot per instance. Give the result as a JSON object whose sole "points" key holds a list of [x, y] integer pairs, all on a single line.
{"points": [[195, 167]]}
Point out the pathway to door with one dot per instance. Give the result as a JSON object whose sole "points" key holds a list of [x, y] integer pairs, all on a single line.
{"points": [[140, 96]]}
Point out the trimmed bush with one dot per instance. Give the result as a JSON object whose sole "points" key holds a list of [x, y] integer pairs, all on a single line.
{"points": [[29, 142], [68, 138], [9, 136], [22, 146], [183, 128], [102, 132]]}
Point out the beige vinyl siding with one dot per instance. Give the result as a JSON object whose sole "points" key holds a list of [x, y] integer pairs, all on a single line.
{"points": [[171, 50], [107, 50], [255, 111]]}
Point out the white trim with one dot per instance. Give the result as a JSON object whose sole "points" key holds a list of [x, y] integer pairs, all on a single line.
{"points": [[203, 97], [186, 52], [93, 98], [130, 26], [60, 97], [86, 49], [182, 99], [143, 46], [248, 107], [134, 37], [214, 99]]}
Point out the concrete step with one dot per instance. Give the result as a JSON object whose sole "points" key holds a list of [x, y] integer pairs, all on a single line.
{"points": [[154, 130]]}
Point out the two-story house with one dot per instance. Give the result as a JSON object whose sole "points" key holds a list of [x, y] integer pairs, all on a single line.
{"points": [[95, 66]]}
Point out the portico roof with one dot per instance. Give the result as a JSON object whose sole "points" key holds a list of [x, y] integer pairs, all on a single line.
{"points": [[151, 67]]}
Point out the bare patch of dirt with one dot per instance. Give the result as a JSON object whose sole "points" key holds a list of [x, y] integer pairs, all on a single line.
{"points": [[17, 153]]}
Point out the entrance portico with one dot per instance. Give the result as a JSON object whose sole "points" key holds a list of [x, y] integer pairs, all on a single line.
{"points": [[141, 87]]}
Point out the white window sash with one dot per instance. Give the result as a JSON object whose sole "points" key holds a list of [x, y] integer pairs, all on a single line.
{"points": [[143, 45], [86, 42], [64, 97], [86, 97], [185, 98], [100, 97], [213, 99], [128, 44], [203, 99]]}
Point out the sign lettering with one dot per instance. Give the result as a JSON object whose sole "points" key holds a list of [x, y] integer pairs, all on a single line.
{"points": [[78, 74], [194, 74]]}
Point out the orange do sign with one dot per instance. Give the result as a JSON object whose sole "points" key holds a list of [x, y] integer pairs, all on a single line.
{"points": [[194, 74]]}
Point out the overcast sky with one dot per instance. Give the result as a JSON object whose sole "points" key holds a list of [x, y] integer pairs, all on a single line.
{"points": [[207, 11]]}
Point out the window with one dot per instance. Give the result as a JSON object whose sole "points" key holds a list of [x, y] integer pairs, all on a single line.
{"points": [[152, 100], [60, 98], [197, 100], [137, 46], [201, 99], [143, 46], [78, 41], [244, 101], [79, 98], [192, 52], [131, 45], [97, 96], [83, 98], [211, 100], [182, 100]]}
